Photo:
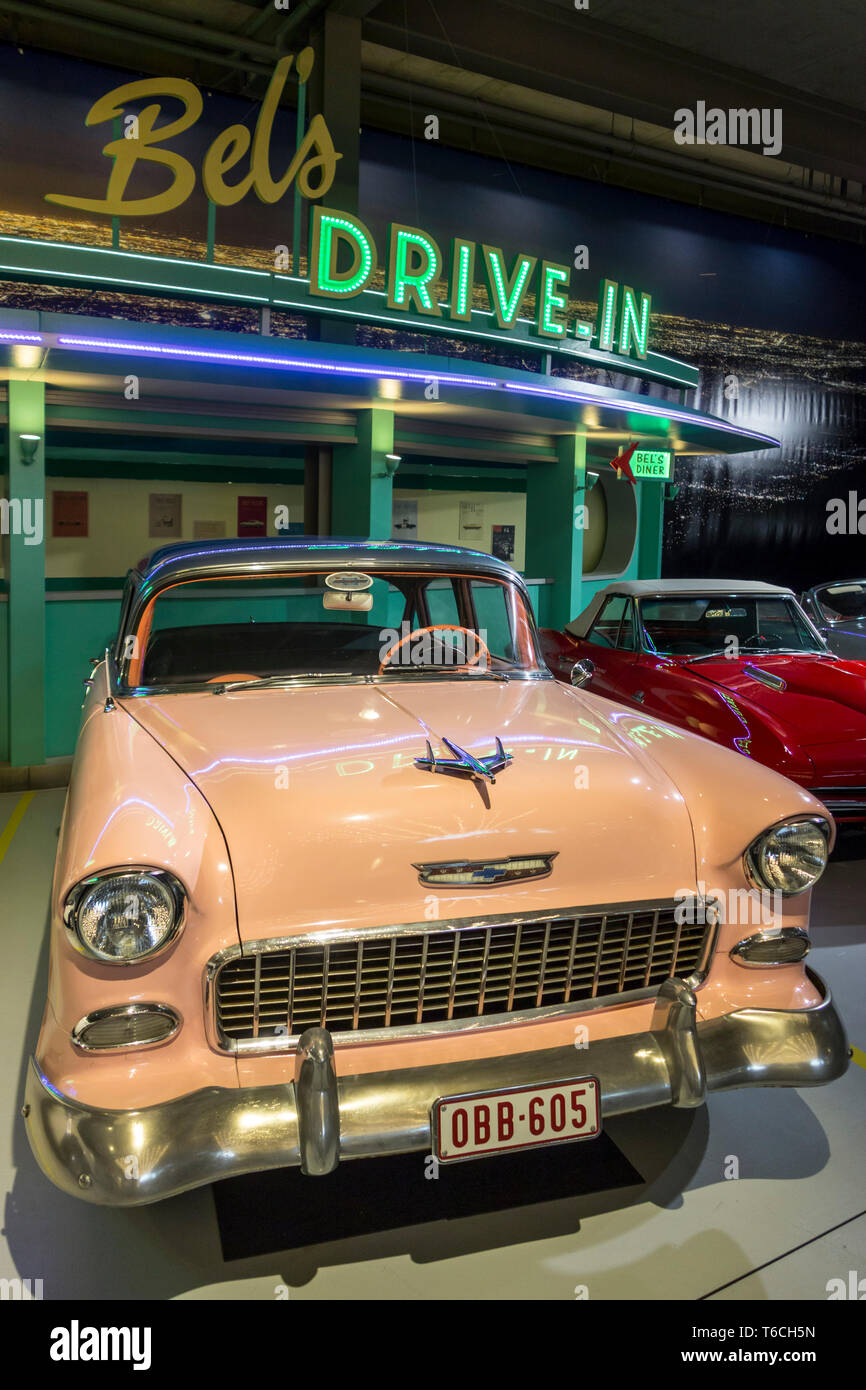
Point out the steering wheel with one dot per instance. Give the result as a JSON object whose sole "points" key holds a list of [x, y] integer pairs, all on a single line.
{"points": [[483, 649], [755, 637]]}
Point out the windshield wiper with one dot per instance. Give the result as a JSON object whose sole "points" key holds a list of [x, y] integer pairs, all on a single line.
{"points": [[472, 672], [219, 687], [705, 656]]}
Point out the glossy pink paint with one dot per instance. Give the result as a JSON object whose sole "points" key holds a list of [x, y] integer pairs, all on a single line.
{"points": [[287, 810]]}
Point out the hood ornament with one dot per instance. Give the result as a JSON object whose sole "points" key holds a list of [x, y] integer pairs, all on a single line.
{"points": [[464, 763]]}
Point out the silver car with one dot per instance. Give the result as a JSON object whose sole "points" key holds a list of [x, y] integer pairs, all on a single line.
{"points": [[838, 610]]}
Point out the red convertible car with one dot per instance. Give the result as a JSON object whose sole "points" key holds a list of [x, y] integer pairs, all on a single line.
{"points": [[740, 663]]}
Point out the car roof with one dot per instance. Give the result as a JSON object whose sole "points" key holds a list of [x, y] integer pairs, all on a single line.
{"points": [[645, 588], [264, 556]]}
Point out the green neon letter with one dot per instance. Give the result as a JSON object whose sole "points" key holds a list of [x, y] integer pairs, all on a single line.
{"points": [[633, 325], [329, 230], [460, 283], [414, 261], [506, 291], [550, 305], [607, 315]]}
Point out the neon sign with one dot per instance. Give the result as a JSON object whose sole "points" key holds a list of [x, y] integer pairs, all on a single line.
{"points": [[344, 259], [651, 463], [343, 252]]}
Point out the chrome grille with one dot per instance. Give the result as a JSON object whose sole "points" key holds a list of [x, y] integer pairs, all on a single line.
{"points": [[468, 970]]}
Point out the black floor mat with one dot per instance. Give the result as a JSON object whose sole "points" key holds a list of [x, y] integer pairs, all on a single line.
{"points": [[283, 1210]]}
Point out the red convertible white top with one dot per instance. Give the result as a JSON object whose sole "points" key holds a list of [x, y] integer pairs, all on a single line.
{"points": [[580, 625]]}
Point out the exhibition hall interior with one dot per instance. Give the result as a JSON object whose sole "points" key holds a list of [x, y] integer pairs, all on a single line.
{"points": [[433, 659]]}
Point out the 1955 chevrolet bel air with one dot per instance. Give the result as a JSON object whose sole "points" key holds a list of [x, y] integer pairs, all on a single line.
{"points": [[344, 872]]}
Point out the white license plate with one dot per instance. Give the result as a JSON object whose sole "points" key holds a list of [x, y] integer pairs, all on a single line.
{"points": [[502, 1121]]}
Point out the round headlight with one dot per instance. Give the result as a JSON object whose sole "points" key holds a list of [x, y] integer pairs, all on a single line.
{"points": [[124, 917], [791, 857]]}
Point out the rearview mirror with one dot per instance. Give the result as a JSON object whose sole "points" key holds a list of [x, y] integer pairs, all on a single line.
{"points": [[347, 602], [582, 672]]}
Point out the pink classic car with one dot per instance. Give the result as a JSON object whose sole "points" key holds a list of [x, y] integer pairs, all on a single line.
{"points": [[344, 872]]}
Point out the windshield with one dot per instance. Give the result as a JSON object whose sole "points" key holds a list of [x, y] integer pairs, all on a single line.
{"points": [[839, 601], [727, 624], [330, 624]]}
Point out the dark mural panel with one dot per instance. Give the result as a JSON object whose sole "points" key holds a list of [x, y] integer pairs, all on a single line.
{"points": [[775, 320], [765, 515]]}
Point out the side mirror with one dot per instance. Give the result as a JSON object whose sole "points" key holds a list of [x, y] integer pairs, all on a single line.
{"points": [[582, 672]]}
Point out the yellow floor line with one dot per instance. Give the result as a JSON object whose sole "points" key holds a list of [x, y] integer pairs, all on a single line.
{"points": [[858, 1057], [13, 822]]}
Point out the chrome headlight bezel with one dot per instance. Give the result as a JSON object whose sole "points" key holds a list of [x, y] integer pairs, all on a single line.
{"points": [[751, 856], [75, 896]]}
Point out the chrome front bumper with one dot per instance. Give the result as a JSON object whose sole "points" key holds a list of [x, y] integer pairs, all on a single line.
{"points": [[130, 1157]]}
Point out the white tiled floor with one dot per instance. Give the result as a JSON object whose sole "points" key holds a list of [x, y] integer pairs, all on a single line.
{"points": [[776, 1230]]}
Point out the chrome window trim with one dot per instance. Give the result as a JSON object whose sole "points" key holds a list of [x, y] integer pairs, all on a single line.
{"points": [[457, 925], [75, 894], [377, 558], [113, 1011], [139, 692]]}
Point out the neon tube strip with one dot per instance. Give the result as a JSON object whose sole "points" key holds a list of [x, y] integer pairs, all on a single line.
{"points": [[250, 359]]}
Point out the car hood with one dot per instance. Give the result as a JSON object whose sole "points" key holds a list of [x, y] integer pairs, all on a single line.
{"points": [[823, 701], [325, 813]]}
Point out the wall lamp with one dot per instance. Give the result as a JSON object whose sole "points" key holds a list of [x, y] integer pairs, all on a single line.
{"points": [[589, 484], [390, 464], [29, 444]]}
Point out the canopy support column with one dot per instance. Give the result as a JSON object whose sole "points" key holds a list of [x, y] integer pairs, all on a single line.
{"points": [[555, 498], [651, 501], [362, 483], [26, 522]]}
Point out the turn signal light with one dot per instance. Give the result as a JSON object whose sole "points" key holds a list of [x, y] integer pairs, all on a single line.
{"points": [[126, 1025], [784, 947]]}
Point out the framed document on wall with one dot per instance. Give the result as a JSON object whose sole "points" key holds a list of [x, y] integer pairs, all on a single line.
{"points": [[502, 543], [69, 514], [252, 516], [166, 514]]}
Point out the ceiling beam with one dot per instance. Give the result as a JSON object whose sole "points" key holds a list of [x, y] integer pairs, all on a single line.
{"points": [[582, 59]]}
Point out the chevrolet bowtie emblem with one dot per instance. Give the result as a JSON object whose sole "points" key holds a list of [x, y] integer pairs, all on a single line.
{"points": [[485, 873], [465, 763]]}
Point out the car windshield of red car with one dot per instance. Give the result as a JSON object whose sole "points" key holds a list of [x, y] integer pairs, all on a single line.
{"points": [[688, 625]]}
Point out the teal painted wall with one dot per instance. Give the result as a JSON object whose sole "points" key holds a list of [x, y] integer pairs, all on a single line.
{"points": [[75, 630]]}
